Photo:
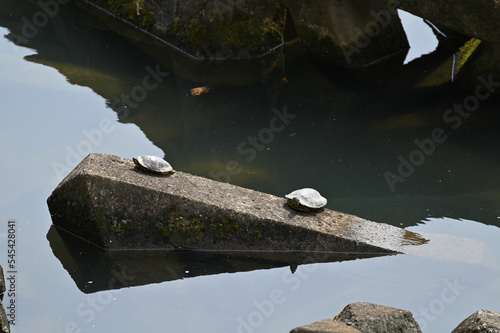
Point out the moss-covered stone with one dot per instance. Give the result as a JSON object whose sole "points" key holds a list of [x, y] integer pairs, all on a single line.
{"points": [[206, 28], [247, 29], [134, 11]]}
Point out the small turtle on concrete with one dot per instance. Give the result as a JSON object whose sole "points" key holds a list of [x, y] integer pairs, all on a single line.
{"points": [[306, 199], [153, 164]]}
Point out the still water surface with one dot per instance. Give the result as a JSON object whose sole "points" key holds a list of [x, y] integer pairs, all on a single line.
{"points": [[331, 131]]}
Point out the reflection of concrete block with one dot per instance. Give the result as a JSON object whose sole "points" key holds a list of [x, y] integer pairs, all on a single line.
{"points": [[349, 33]]}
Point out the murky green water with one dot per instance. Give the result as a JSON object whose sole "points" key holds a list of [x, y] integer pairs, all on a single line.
{"points": [[64, 96]]}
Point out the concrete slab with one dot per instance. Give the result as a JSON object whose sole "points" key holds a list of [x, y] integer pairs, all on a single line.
{"points": [[108, 202]]}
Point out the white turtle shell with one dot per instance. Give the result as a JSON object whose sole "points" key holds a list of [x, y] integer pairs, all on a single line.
{"points": [[153, 164], [308, 197]]}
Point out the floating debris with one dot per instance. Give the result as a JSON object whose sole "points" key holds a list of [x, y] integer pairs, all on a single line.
{"points": [[198, 91]]}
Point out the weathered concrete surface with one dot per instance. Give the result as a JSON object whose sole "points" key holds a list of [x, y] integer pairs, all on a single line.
{"points": [[482, 321], [325, 326], [108, 202], [349, 33], [374, 318]]}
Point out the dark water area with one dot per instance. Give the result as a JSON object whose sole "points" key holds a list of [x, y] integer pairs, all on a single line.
{"points": [[381, 143]]}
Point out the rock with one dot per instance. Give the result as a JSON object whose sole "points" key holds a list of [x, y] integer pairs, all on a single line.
{"points": [[201, 29], [4, 321], [325, 326], [373, 318], [110, 203], [482, 321], [349, 34]]}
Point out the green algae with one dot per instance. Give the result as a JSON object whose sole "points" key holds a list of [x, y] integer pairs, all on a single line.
{"points": [[134, 11], [185, 231], [231, 30]]}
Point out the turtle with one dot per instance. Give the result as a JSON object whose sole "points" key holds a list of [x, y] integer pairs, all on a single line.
{"points": [[305, 199], [153, 164]]}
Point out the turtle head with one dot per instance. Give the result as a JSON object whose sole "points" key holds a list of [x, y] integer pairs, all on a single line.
{"points": [[294, 203]]}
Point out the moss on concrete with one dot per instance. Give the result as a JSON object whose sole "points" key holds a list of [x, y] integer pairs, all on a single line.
{"points": [[467, 50], [246, 30], [134, 11], [180, 230]]}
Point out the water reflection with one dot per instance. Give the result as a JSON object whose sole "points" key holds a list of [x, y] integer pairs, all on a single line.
{"points": [[95, 269]]}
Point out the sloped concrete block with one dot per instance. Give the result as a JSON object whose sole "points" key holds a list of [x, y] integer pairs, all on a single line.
{"points": [[107, 201]]}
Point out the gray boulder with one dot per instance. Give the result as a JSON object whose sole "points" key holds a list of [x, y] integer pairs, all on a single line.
{"points": [[374, 318], [482, 321]]}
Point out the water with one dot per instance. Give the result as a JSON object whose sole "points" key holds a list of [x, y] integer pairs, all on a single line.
{"points": [[342, 136]]}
